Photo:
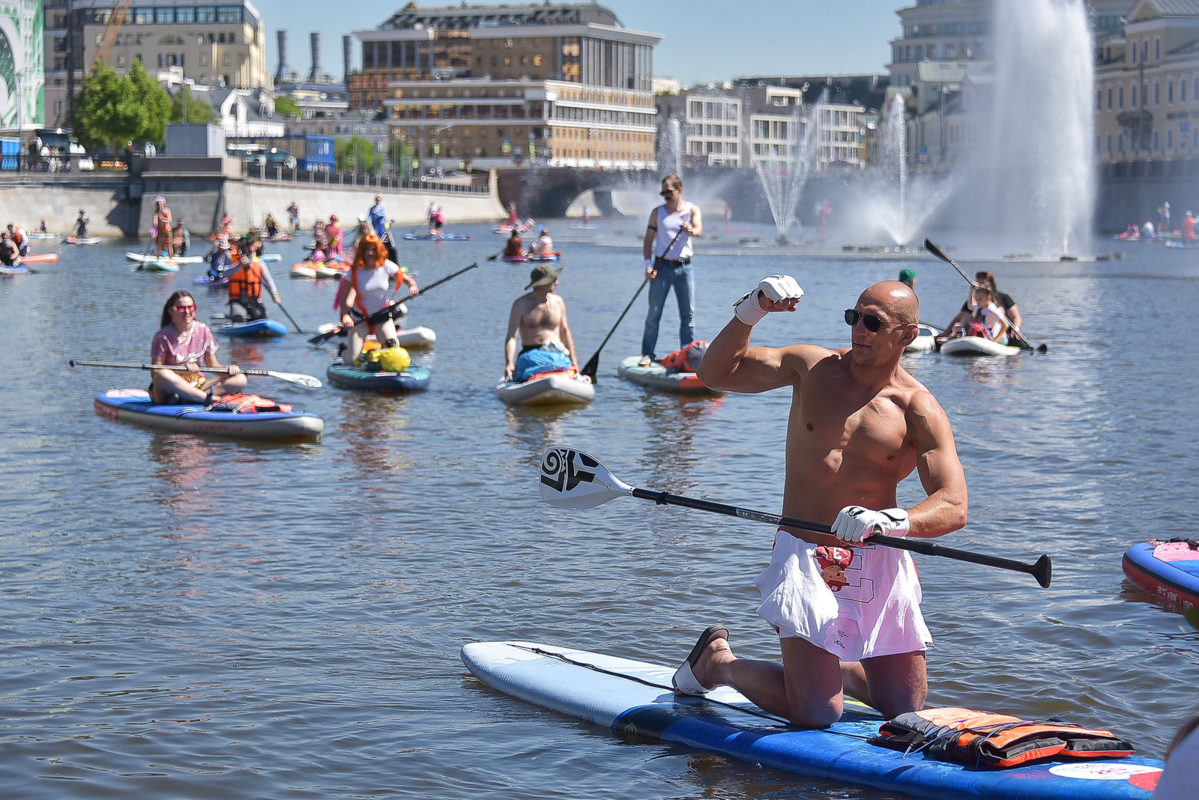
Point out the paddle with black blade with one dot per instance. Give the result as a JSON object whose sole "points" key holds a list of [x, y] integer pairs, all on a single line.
{"points": [[573, 479], [592, 366], [1024, 343], [387, 311], [291, 377]]}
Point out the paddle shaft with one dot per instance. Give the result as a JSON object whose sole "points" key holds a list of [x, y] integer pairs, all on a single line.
{"points": [[936, 251], [296, 378], [1041, 570], [592, 366], [386, 312], [290, 317]]}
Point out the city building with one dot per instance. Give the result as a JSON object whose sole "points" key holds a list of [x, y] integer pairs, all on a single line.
{"points": [[21, 68], [220, 45], [761, 126], [561, 84], [1147, 86]]}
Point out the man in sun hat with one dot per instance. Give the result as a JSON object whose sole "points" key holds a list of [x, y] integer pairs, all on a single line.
{"points": [[539, 320], [907, 276]]}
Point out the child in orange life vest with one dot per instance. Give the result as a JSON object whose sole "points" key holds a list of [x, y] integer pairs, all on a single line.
{"points": [[365, 290], [245, 287]]}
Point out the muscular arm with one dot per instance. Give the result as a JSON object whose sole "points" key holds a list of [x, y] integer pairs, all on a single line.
{"points": [[697, 221], [731, 365], [510, 342], [651, 230], [947, 505], [566, 337]]}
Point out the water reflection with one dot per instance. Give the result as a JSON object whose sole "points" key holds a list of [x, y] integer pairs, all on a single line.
{"points": [[672, 422], [538, 428], [375, 431]]}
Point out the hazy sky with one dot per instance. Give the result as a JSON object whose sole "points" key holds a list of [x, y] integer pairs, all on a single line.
{"points": [[705, 40]]}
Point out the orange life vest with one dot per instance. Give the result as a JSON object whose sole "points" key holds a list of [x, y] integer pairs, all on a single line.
{"points": [[981, 739], [252, 403], [686, 359], [246, 282]]}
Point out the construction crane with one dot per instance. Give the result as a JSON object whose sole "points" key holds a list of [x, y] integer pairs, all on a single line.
{"points": [[115, 20]]}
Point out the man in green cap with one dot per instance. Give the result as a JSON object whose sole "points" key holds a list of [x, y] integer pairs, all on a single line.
{"points": [[908, 275]]}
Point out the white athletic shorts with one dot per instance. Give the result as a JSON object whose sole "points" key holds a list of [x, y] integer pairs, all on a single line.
{"points": [[854, 602]]}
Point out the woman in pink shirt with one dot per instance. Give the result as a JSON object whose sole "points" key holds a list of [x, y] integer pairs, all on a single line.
{"points": [[185, 341]]}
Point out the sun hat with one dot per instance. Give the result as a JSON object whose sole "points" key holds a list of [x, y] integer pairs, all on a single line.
{"points": [[543, 276]]}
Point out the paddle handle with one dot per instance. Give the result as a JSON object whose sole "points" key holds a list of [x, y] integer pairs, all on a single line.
{"points": [[1042, 570], [175, 367]]}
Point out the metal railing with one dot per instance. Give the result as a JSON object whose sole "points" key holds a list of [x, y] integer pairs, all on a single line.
{"points": [[348, 179]]}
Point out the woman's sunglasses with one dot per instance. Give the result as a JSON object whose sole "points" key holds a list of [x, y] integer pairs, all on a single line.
{"points": [[186, 309], [872, 322]]}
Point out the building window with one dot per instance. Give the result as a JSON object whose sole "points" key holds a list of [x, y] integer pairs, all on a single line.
{"points": [[1157, 48], [1133, 104], [185, 15], [1182, 91], [228, 14], [164, 15], [1170, 92], [1119, 97], [1157, 93], [1170, 139], [205, 14], [1109, 97]]}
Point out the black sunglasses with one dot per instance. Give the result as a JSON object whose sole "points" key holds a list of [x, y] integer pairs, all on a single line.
{"points": [[872, 322], [666, 192]]}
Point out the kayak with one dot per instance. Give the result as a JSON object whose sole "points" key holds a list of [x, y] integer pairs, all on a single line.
{"points": [[925, 341], [655, 376], [134, 406], [40, 258], [506, 228], [428, 237], [84, 240], [143, 258], [413, 379], [977, 346], [551, 388], [1169, 570], [635, 698], [255, 327]]}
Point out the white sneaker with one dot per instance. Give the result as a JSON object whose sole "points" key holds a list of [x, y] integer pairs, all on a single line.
{"points": [[644, 361]]}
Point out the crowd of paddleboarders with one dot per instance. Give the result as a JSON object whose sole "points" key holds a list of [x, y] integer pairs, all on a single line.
{"points": [[847, 614], [1162, 229]]}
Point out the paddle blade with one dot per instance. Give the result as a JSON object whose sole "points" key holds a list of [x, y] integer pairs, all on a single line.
{"points": [[297, 378], [572, 479], [591, 368]]}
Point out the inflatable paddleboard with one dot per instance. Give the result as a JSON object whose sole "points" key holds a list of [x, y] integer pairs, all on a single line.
{"points": [[925, 341], [428, 237], [1169, 570], [413, 379], [158, 266], [134, 406], [40, 258], [144, 258], [656, 376], [977, 346], [635, 698], [255, 327], [551, 388], [84, 240]]}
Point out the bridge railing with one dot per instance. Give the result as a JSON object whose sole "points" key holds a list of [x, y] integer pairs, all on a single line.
{"points": [[377, 181]]}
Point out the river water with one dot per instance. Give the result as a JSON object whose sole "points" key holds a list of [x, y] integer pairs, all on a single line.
{"points": [[200, 618]]}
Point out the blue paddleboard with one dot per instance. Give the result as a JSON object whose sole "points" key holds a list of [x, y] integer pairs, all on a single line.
{"points": [[634, 697]]}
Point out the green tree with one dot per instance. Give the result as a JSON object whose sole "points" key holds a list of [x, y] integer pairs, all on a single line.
{"points": [[107, 112], [286, 106], [113, 111], [198, 112], [358, 154], [157, 102]]}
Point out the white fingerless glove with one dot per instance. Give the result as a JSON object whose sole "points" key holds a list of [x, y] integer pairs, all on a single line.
{"points": [[775, 288], [856, 524]]}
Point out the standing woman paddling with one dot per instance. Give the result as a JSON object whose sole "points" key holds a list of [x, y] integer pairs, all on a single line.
{"points": [[365, 290]]}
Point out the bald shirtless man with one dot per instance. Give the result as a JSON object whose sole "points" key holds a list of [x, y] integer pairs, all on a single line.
{"points": [[847, 614], [539, 318]]}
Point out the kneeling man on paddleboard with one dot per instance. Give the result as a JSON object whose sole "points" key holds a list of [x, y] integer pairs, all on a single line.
{"points": [[847, 613]]}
